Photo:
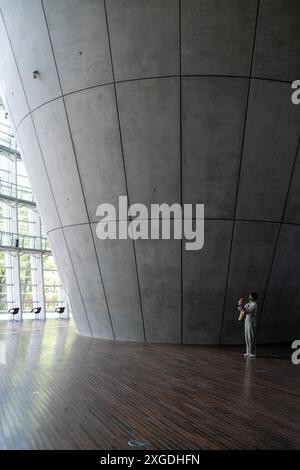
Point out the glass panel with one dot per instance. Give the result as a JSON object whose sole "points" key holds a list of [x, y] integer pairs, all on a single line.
{"points": [[7, 174], [23, 187], [52, 284], [28, 281], [6, 282], [28, 221], [7, 137], [5, 216]]}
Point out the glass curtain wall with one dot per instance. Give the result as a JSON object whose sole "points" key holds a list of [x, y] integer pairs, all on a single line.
{"points": [[28, 274]]}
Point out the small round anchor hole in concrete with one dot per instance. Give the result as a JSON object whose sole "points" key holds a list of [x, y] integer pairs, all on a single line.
{"points": [[136, 443]]}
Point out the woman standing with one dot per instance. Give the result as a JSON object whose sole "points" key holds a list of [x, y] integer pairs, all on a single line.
{"points": [[249, 312]]}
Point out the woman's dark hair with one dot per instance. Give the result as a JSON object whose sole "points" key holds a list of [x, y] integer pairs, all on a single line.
{"points": [[253, 295]]}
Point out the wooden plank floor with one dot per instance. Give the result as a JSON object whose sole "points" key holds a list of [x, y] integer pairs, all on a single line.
{"points": [[62, 391]]}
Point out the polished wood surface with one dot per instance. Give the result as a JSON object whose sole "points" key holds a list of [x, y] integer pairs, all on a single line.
{"points": [[62, 391]]}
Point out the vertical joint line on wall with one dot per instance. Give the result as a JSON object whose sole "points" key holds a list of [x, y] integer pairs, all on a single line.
{"points": [[240, 169], [80, 180], [181, 167], [278, 235], [124, 165]]}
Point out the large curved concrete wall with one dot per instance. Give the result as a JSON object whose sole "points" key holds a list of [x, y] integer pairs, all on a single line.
{"points": [[190, 98]]}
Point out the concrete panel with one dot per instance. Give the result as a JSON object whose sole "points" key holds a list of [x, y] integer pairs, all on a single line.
{"points": [[119, 273], [283, 286], [217, 36], [204, 280], [149, 116], [83, 256], [277, 46], [158, 264], [32, 49], [97, 145], [79, 35], [144, 37], [37, 174], [213, 113], [55, 140], [270, 144], [10, 81], [251, 258], [292, 329], [67, 273], [292, 210]]}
